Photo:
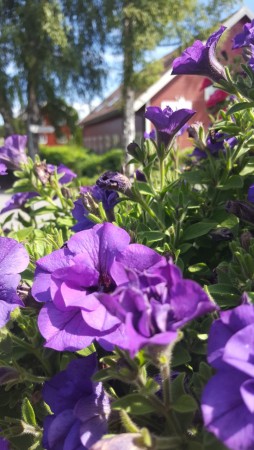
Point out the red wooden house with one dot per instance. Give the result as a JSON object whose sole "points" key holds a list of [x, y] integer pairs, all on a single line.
{"points": [[102, 128]]}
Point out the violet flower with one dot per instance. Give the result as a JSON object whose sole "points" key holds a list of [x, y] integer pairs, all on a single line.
{"points": [[3, 169], [4, 445], [228, 398], [12, 154], [13, 260], [151, 135], [80, 407], [167, 122], [153, 304], [200, 59], [18, 201], [246, 38], [69, 279], [80, 212], [68, 174], [214, 145], [250, 196]]}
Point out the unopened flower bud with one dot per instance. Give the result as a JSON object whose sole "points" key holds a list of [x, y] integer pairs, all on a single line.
{"points": [[140, 176], [89, 202], [135, 151], [197, 133], [245, 239], [114, 181], [222, 234]]}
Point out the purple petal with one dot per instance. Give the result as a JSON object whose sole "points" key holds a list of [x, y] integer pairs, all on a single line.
{"points": [[64, 330], [13, 256], [239, 350]]}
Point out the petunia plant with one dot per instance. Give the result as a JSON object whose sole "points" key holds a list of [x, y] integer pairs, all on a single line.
{"points": [[126, 307]]}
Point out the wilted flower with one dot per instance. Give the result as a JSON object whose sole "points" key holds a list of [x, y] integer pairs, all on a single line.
{"points": [[167, 122], [241, 209], [13, 260], [44, 172], [80, 407], [245, 38], [18, 201], [228, 398], [12, 154], [69, 279], [200, 59], [80, 212], [123, 441], [214, 144], [114, 181], [153, 304], [3, 169]]}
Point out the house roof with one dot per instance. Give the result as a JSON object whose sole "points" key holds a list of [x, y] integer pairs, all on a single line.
{"points": [[111, 106]]}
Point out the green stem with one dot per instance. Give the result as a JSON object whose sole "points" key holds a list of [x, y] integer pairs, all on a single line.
{"points": [[44, 362], [162, 173]]}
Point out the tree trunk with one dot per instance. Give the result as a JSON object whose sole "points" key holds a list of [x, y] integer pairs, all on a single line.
{"points": [[128, 124], [6, 113], [8, 120], [128, 91], [33, 118]]}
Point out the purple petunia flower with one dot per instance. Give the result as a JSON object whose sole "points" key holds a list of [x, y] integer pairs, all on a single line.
{"points": [[68, 174], [228, 398], [13, 260], [151, 135], [250, 196], [80, 407], [12, 154], [153, 304], [200, 59], [18, 201], [167, 122], [246, 38], [4, 445], [3, 169], [214, 145], [69, 279], [108, 198]]}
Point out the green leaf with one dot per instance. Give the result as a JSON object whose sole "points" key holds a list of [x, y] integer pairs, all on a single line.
{"points": [[180, 356], [28, 412], [233, 182], [224, 294], [152, 236], [185, 403], [134, 404], [199, 268], [177, 387], [197, 229], [240, 107], [22, 234], [87, 351], [144, 188]]}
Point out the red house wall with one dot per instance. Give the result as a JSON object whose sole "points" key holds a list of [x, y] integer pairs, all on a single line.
{"points": [[51, 138]]}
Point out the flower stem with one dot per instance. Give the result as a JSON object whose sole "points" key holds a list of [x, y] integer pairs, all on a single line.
{"points": [[162, 173]]}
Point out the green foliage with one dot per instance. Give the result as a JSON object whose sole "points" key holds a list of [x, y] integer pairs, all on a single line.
{"points": [[85, 163]]}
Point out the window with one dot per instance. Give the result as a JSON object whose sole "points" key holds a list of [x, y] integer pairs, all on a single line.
{"points": [[43, 139]]}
